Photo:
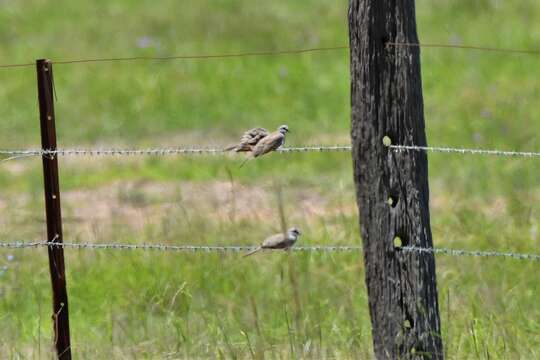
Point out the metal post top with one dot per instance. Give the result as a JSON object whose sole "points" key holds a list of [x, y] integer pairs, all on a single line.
{"points": [[45, 63]]}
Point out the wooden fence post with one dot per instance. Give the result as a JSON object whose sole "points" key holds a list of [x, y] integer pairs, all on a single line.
{"points": [[52, 208], [392, 187]]}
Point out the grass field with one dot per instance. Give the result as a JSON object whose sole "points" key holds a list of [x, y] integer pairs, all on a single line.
{"points": [[172, 305]]}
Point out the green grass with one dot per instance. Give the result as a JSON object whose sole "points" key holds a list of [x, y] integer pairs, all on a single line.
{"points": [[172, 305]]}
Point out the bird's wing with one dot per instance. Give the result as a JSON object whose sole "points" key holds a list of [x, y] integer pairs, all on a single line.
{"points": [[250, 138], [268, 143], [254, 135], [276, 241]]}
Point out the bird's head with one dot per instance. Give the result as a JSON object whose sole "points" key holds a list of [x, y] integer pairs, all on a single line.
{"points": [[294, 232], [283, 129]]}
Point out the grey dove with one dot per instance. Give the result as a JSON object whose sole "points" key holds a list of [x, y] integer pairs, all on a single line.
{"points": [[278, 241], [248, 140], [270, 142]]}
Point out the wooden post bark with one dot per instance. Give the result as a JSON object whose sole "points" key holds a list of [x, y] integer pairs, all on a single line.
{"points": [[60, 315], [392, 187]]}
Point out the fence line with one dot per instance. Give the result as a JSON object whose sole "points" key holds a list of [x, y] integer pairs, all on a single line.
{"points": [[14, 154], [17, 154], [272, 53], [189, 57], [7, 66], [164, 247], [465, 47], [239, 248], [206, 57], [473, 253], [400, 148]]}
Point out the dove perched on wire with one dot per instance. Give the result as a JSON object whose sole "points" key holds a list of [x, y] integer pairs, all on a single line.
{"points": [[269, 143], [278, 241], [248, 140]]}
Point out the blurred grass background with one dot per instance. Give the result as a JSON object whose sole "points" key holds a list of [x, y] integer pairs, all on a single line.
{"points": [[161, 305]]}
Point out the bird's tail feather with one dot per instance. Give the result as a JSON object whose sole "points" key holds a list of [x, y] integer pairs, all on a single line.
{"points": [[230, 148], [253, 251]]}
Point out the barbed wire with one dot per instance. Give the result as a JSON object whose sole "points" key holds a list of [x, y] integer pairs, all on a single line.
{"points": [[15, 154], [400, 148], [474, 253], [167, 247], [466, 47], [239, 248]]}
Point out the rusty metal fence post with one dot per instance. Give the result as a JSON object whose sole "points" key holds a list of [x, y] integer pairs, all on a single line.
{"points": [[52, 208]]}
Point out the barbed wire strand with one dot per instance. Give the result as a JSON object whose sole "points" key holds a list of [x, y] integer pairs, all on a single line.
{"points": [[400, 148], [16, 157], [466, 47], [189, 57], [15, 154], [474, 253], [238, 248], [158, 151], [185, 248]]}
